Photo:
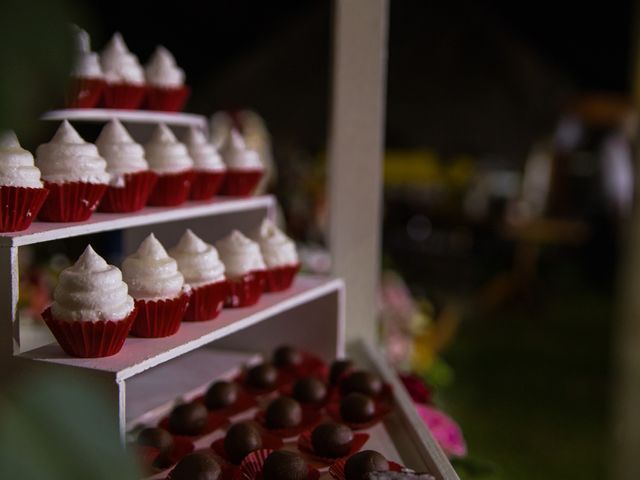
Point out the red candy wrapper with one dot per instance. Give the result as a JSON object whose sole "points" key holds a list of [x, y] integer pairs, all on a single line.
{"points": [[337, 469], [206, 301], [124, 96], [382, 409], [19, 206], [246, 290], [244, 402], [310, 418], [240, 183], [171, 189], [159, 318], [280, 278], [84, 92], [166, 99], [214, 422], [71, 201], [268, 441], [89, 339], [131, 196], [206, 184], [251, 466], [305, 446]]}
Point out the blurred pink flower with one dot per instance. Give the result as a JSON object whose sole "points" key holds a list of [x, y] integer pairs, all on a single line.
{"points": [[444, 429]]}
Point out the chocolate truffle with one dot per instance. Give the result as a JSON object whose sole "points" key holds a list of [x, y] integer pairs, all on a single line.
{"points": [[309, 390], [283, 412], [286, 356], [331, 439], [405, 474], [263, 376], [188, 419], [357, 408], [284, 465], [242, 439], [220, 395], [156, 437], [363, 463], [338, 368], [196, 466], [361, 382]]}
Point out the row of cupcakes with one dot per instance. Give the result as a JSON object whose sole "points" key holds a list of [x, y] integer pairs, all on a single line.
{"points": [[96, 305], [71, 178], [116, 79]]}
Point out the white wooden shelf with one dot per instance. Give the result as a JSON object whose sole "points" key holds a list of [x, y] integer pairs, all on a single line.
{"points": [[103, 115], [103, 222], [140, 354]]}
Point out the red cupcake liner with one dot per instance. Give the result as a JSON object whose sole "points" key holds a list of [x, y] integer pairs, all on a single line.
{"points": [[280, 278], [310, 418], [206, 184], [240, 183], [251, 466], [246, 290], [19, 206], [283, 379], [171, 189], [382, 409], [123, 96], [214, 422], [90, 339], [130, 197], [71, 201], [84, 92], [244, 402], [166, 99], [310, 366], [305, 446], [159, 318], [206, 302], [268, 441], [337, 469]]}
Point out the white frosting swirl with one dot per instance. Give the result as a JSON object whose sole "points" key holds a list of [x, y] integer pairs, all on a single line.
{"points": [[122, 154], [119, 64], [165, 153], [68, 158], [91, 290], [16, 164], [238, 157], [197, 261], [151, 273], [87, 65], [162, 70], [204, 154], [277, 249], [239, 254]]}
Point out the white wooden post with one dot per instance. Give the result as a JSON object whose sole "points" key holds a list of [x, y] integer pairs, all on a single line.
{"points": [[9, 327], [356, 147]]}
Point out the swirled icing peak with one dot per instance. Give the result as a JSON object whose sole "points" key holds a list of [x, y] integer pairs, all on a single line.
{"points": [[119, 64], [16, 164], [277, 249], [197, 261], [239, 254], [204, 154], [162, 70], [165, 153], [238, 157], [122, 153]]}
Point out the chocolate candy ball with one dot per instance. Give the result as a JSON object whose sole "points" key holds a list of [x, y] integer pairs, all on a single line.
{"points": [[283, 412], [263, 376], [338, 368], [331, 439], [156, 437], [188, 419], [361, 382], [286, 356], [284, 465], [363, 463], [242, 439], [357, 408], [220, 395], [309, 390], [196, 466]]}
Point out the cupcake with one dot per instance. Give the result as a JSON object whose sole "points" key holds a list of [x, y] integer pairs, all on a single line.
{"points": [[87, 80], [279, 254], [21, 191], [124, 75], [131, 179], [207, 164], [158, 289], [244, 168], [170, 160], [165, 80], [92, 311], [244, 269], [204, 273], [75, 175]]}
